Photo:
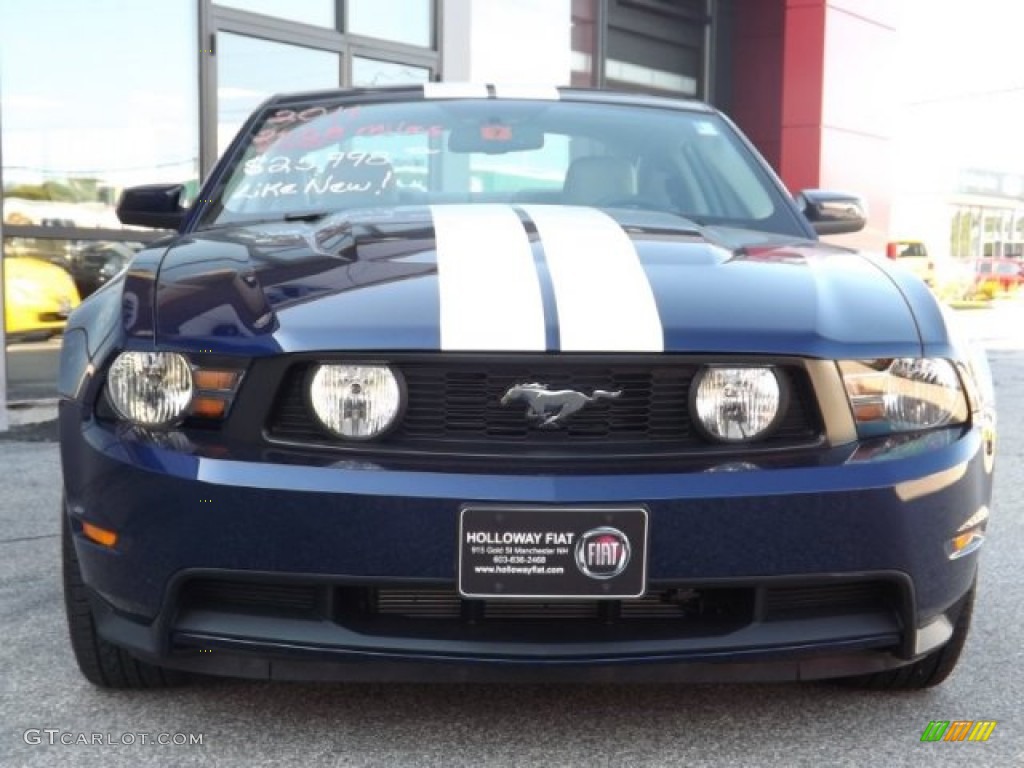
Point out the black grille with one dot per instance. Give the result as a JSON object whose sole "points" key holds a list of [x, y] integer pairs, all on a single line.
{"points": [[249, 596], [681, 607], [457, 405], [350, 603], [453, 403], [793, 602], [668, 604]]}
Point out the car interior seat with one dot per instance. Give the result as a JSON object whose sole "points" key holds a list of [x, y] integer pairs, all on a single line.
{"points": [[598, 179], [654, 183]]}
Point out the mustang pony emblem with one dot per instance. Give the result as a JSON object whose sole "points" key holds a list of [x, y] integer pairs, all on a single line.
{"points": [[550, 409]]}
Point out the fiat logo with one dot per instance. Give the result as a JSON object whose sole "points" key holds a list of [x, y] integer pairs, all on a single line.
{"points": [[602, 553]]}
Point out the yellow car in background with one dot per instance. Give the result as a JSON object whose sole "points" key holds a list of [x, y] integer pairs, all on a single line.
{"points": [[38, 297], [913, 254]]}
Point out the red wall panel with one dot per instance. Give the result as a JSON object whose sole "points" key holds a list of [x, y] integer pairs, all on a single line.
{"points": [[837, 75], [813, 91]]}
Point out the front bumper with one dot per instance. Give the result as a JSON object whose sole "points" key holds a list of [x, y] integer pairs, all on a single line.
{"points": [[874, 522]]}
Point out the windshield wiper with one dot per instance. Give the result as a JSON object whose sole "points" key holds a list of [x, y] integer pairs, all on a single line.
{"points": [[309, 216]]}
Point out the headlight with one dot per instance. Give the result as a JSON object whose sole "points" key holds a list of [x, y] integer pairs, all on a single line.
{"points": [[736, 404], [355, 401], [903, 394], [151, 389]]}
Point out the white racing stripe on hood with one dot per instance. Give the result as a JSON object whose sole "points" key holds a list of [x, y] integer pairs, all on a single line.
{"points": [[604, 299], [455, 91], [490, 290], [514, 91]]}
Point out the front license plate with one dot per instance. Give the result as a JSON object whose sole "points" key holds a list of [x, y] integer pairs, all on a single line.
{"points": [[552, 552]]}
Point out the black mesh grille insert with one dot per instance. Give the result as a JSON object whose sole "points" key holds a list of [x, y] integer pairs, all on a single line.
{"points": [[467, 404], [445, 605], [793, 602], [425, 603], [249, 596]]}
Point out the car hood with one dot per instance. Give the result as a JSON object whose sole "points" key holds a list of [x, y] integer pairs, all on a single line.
{"points": [[524, 279]]}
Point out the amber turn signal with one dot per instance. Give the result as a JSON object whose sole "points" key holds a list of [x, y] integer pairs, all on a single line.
{"points": [[965, 543], [209, 407], [215, 389], [870, 410], [218, 381], [962, 541], [99, 535]]}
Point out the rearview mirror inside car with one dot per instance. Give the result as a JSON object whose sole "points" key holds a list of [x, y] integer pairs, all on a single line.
{"points": [[495, 138]]}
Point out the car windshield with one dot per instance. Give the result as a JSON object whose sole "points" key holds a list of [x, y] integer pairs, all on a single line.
{"points": [[318, 158], [910, 251]]}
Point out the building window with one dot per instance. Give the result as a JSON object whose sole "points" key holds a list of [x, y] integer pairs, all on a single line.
{"points": [[372, 72], [400, 21], [980, 231], [655, 46], [319, 13], [251, 70], [117, 107], [338, 43]]}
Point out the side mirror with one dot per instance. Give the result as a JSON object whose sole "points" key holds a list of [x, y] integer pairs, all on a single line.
{"points": [[833, 213], [154, 205]]}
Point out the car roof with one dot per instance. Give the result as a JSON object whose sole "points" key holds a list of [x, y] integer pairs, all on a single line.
{"points": [[416, 93]]}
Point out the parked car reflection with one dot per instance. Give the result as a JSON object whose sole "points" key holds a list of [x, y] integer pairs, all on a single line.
{"points": [[993, 277], [93, 264], [38, 297]]}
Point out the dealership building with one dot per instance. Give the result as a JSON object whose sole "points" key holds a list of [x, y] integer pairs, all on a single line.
{"points": [[96, 96]]}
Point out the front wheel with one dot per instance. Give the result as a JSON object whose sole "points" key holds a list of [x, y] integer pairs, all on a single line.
{"points": [[929, 671], [101, 662]]}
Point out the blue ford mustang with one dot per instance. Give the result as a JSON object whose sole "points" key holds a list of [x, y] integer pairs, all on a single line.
{"points": [[464, 382]]}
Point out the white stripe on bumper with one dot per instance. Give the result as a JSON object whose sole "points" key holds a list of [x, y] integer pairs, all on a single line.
{"points": [[490, 290], [604, 299]]}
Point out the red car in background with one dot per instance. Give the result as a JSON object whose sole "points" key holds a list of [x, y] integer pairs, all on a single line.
{"points": [[993, 276]]}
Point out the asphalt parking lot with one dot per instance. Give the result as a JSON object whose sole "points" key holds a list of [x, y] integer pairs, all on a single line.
{"points": [[256, 724]]}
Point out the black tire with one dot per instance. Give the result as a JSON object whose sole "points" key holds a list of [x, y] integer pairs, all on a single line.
{"points": [[928, 671], [102, 663]]}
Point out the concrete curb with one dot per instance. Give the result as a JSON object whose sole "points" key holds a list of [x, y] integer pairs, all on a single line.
{"points": [[23, 412]]}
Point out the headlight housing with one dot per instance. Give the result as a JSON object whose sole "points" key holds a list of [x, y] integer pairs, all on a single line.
{"points": [[904, 394], [356, 401], [736, 404], [151, 389]]}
